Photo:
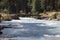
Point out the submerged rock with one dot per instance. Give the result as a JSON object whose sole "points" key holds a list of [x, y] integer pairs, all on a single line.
{"points": [[1, 32]]}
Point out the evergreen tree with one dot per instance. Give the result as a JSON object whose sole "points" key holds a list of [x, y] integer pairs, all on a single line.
{"points": [[33, 6]]}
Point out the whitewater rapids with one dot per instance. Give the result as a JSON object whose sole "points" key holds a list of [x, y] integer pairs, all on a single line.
{"points": [[32, 29]]}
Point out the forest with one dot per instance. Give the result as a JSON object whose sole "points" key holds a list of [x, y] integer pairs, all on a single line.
{"points": [[32, 6]]}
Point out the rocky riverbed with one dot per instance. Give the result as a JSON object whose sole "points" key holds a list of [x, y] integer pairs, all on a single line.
{"points": [[47, 16]]}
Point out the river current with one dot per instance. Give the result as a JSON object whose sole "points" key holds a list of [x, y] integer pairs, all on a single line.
{"points": [[31, 29]]}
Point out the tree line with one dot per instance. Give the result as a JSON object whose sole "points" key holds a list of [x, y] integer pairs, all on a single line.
{"points": [[32, 6]]}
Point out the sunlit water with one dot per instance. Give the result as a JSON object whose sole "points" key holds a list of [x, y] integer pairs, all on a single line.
{"points": [[32, 29]]}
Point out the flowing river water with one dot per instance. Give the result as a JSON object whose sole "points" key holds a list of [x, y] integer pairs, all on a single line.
{"points": [[31, 29]]}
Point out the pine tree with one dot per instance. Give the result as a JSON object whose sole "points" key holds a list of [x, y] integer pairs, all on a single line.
{"points": [[33, 6]]}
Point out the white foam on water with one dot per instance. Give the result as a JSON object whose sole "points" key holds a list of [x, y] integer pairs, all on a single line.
{"points": [[51, 35], [52, 28]]}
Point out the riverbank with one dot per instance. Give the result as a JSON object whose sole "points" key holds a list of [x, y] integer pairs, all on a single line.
{"points": [[51, 15], [47, 16]]}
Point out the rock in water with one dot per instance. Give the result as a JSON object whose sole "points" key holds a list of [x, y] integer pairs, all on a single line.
{"points": [[1, 33]]}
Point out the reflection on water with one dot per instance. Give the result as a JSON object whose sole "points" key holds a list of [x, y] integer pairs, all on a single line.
{"points": [[44, 30]]}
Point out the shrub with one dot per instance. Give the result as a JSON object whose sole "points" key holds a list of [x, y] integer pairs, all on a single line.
{"points": [[6, 18]]}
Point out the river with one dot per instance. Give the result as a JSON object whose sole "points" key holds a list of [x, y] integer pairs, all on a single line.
{"points": [[31, 29]]}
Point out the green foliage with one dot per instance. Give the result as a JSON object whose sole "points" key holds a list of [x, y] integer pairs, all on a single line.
{"points": [[38, 5], [7, 17], [4, 11], [33, 6], [14, 6]]}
